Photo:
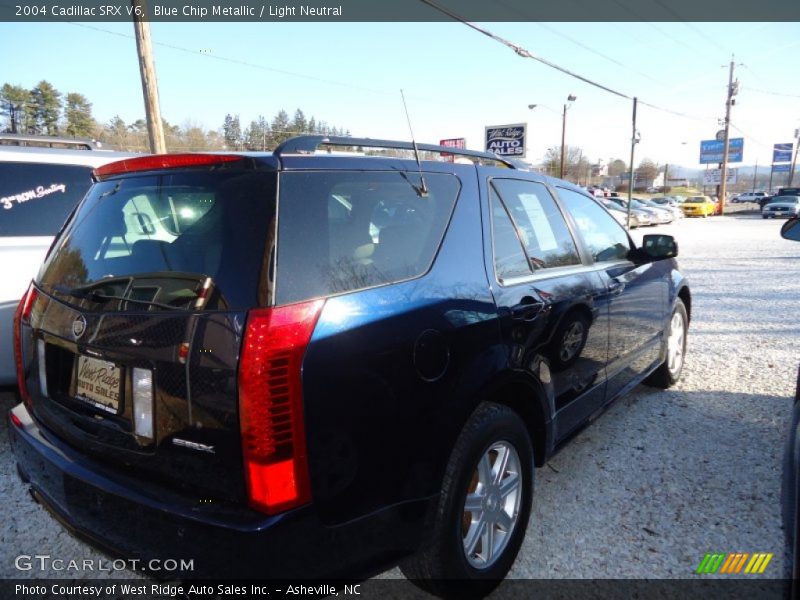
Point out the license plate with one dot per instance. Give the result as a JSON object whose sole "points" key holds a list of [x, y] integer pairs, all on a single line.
{"points": [[98, 383]]}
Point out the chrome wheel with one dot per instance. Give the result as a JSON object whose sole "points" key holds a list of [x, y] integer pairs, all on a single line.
{"points": [[675, 343], [572, 341], [492, 505]]}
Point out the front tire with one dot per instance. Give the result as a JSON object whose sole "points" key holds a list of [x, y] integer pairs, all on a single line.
{"points": [[483, 510], [669, 372]]}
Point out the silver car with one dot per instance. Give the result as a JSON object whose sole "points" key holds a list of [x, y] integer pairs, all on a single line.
{"points": [[781, 206], [39, 187]]}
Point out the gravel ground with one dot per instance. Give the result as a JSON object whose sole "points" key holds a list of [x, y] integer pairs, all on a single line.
{"points": [[663, 476]]}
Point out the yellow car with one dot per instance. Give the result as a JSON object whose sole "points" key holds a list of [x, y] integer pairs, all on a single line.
{"points": [[698, 206]]}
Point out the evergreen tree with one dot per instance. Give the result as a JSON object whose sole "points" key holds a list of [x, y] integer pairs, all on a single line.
{"points": [[46, 104], [232, 132], [280, 128], [299, 124], [14, 103], [78, 115]]}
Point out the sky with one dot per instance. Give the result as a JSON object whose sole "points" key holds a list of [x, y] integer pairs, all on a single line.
{"points": [[456, 81]]}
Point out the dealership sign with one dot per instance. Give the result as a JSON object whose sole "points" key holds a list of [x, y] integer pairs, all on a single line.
{"points": [[781, 168], [714, 177], [460, 143], [711, 151], [506, 140], [782, 153]]}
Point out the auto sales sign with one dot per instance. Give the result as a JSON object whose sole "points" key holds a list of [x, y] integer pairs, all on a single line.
{"points": [[506, 140]]}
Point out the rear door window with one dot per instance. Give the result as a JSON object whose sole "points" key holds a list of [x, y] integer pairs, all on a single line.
{"points": [[340, 231], [36, 198]]}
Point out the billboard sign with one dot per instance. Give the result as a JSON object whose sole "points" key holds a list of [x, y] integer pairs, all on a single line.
{"points": [[711, 151], [506, 140], [782, 153], [785, 168], [714, 176], [452, 143]]}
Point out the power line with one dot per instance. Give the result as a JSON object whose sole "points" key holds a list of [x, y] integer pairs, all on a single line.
{"points": [[519, 50]]}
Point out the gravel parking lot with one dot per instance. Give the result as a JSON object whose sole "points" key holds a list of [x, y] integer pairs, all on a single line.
{"points": [[663, 476]]}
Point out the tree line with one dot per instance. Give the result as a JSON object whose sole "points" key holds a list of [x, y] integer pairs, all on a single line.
{"points": [[44, 110]]}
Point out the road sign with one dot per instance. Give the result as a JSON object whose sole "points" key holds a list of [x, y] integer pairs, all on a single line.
{"points": [[506, 140], [781, 168], [714, 176], [711, 151], [782, 153]]}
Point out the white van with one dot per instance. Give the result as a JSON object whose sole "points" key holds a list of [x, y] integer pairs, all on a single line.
{"points": [[39, 187]]}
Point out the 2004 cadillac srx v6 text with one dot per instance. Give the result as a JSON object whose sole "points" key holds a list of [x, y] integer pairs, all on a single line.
{"points": [[307, 363]]}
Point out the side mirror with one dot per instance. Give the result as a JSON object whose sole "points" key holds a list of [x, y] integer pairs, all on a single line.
{"points": [[659, 246], [791, 230]]}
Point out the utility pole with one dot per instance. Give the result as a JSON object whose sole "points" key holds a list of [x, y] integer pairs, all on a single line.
{"points": [[570, 98], [723, 184], [147, 68], [634, 141], [755, 176], [666, 185], [794, 160]]}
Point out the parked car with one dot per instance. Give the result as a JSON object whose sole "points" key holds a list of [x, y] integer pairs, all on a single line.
{"points": [[334, 363], [749, 197], [670, 203], [698, 206], [790, 488], [644, 216], [781, 206], [39, 187], [621, 215], [665, 213]]}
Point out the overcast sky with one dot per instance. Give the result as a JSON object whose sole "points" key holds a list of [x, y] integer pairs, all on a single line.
{"points": [[456, 80]]}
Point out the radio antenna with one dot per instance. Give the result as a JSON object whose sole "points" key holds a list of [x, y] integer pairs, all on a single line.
{"points": [[423, 188]]}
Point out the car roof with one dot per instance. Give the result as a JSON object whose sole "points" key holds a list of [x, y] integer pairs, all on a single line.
{"points": [[61, 156]]}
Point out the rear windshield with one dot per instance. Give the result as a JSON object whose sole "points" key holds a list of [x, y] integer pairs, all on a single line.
{"points": [[35, 198], [340, 231], [184, 240]]}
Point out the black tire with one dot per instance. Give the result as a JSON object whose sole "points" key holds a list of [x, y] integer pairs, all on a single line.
{"points": [[441, 565], [665, 377]]}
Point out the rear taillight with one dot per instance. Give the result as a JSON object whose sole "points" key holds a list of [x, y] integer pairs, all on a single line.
{"points": [[271, 405], [163, 161], [23, 315]]}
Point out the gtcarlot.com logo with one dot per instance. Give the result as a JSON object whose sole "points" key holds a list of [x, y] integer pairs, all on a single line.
{"points": [[46, 562], [734, 563]]}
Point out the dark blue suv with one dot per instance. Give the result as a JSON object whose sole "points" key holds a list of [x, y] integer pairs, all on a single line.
{"points": [[312, 363]]}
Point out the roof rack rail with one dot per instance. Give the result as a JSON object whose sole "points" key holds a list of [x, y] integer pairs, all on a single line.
{"points": [[308, 144], [48, 141]]}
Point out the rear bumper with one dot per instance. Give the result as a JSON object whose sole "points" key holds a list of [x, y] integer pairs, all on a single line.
{"points": [[135, 519]]}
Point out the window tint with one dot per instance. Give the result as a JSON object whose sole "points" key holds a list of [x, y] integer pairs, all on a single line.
{"points": [[35, 198], [340, 231], [184, 240], [509, 259], [606, 238], [540, 224]]}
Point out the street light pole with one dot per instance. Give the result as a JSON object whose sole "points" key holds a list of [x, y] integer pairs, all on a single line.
{"points": [[570, 98]]}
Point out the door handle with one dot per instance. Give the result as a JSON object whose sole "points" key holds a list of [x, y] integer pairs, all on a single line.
{"points": [[615, 287], [527, 309]]}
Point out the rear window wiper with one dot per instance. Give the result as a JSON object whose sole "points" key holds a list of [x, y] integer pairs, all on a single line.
{"points": [[101, 296], [85, 294]]}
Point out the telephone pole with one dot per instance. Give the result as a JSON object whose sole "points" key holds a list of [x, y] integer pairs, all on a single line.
{"points": [[634, 141], [794, 160], [147, 68], [723, 184]]}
